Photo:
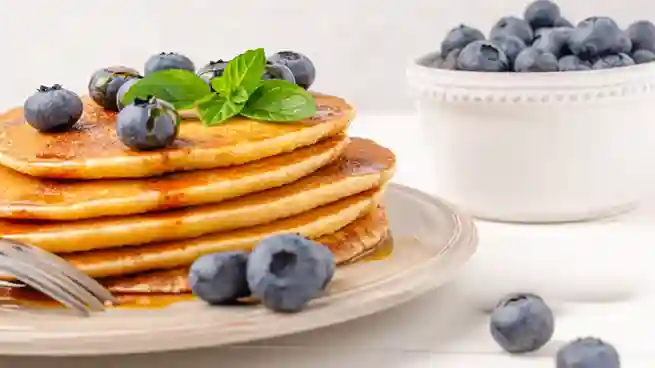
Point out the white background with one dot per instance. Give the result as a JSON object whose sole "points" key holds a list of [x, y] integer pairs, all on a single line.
{"points": [[596, 275]]}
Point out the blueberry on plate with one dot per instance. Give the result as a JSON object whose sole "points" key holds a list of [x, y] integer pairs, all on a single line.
{"points": [[587, 352], [482, 56], [613, 61], [571, 63], [450, 61], [300, 65], [598, 36], [213, 69], [521, 323], [535, 60], [220, 278], [105, 83], [643, 56], [459, 37], [512, 26], [147, 124], [168, 60], [52, 109], [278, 71], [542, 13], [123, 90], [553, 40], [510, 45], [286, 271], [642, 35]]}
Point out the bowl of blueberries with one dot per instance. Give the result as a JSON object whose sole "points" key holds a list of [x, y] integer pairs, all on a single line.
{"points": [[542, 119]]}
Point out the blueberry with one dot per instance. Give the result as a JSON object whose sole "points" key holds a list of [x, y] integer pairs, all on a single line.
{"points": [[147, 124], [459, 37], [571, 63], [450, 61], [105, 83], [302, 68], [535, 60], [553, 40], [220, 278], [642, 35], [510, 45], [213, 69], [643, 56], [278, 71], [168, 60], [52, 109], [521, 323], [482, 56], [598, 36], [562, 22], [613, 61], [286, 271], [542, 13], [123, 90], [512, 26], [587, 352]]}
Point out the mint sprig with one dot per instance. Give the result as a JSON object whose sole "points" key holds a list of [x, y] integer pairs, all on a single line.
{"points": [[239, 91]]}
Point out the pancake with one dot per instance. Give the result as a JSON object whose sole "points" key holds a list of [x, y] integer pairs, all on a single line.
{"points": [[350, 242], [26, 197], [364, 165], [165, 255], [92, 149]]}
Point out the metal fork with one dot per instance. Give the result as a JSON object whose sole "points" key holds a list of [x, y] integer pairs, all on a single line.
{"points": [[52, 276]]}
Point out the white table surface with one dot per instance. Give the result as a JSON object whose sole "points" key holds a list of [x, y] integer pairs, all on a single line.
{"points": [[597, 276]]}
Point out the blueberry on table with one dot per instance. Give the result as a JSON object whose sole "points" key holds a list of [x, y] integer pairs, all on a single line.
{"points": [[598, 36], [535, 60], [123, 90], [570, 63], [512, 26], [553, 40], [587, 352], [459, 37], [642, 35], [52, 109], [220, 278], [300, 65], [643, 56], [286, 271], [522, 323], [147, 124], [278, 71], [450, 61], [168, 60], [213, 69], [542, 13], [510, 45], [482, 56], [105, 83], [613, 61]]}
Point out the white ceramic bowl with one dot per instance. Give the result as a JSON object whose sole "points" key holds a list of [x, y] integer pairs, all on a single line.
{"points": [[538, 147]]}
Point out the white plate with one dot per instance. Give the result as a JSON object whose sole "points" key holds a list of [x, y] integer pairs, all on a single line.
{"points": [[431, 243]]}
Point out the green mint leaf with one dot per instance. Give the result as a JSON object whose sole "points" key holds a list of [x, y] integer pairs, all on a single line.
{"points": [[279, 101], [240, 95], [181, 88], [221, 85], [245, 70], [215, 109]]}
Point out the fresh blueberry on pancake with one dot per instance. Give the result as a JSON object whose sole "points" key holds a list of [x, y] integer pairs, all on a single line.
{"points": [[286, 271], [147, 124], [300, 65], [52, 109], [122, 91], [278, 71], [213, 69], [168, 60], [220, 278], [105, 83]]}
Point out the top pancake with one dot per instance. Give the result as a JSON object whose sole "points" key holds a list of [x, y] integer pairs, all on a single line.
{"points": [[92, 150]]}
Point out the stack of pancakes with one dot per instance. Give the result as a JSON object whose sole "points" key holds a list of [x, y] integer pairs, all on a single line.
{"points": [[137, 220]]}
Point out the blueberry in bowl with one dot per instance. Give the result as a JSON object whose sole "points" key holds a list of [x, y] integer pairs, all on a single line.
{"points": [[105, 83], [220, 278], [459, 37], [512, 26], [482, 56], [450, 61], [553, 40], [166, 61], [642, 35], [147, 124], [52, 109], [533, 59], [598, 36], [542, 13], [302, 68], [510, 45], [570, 63], [613, 61], [278, 71], [643, 56]]}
